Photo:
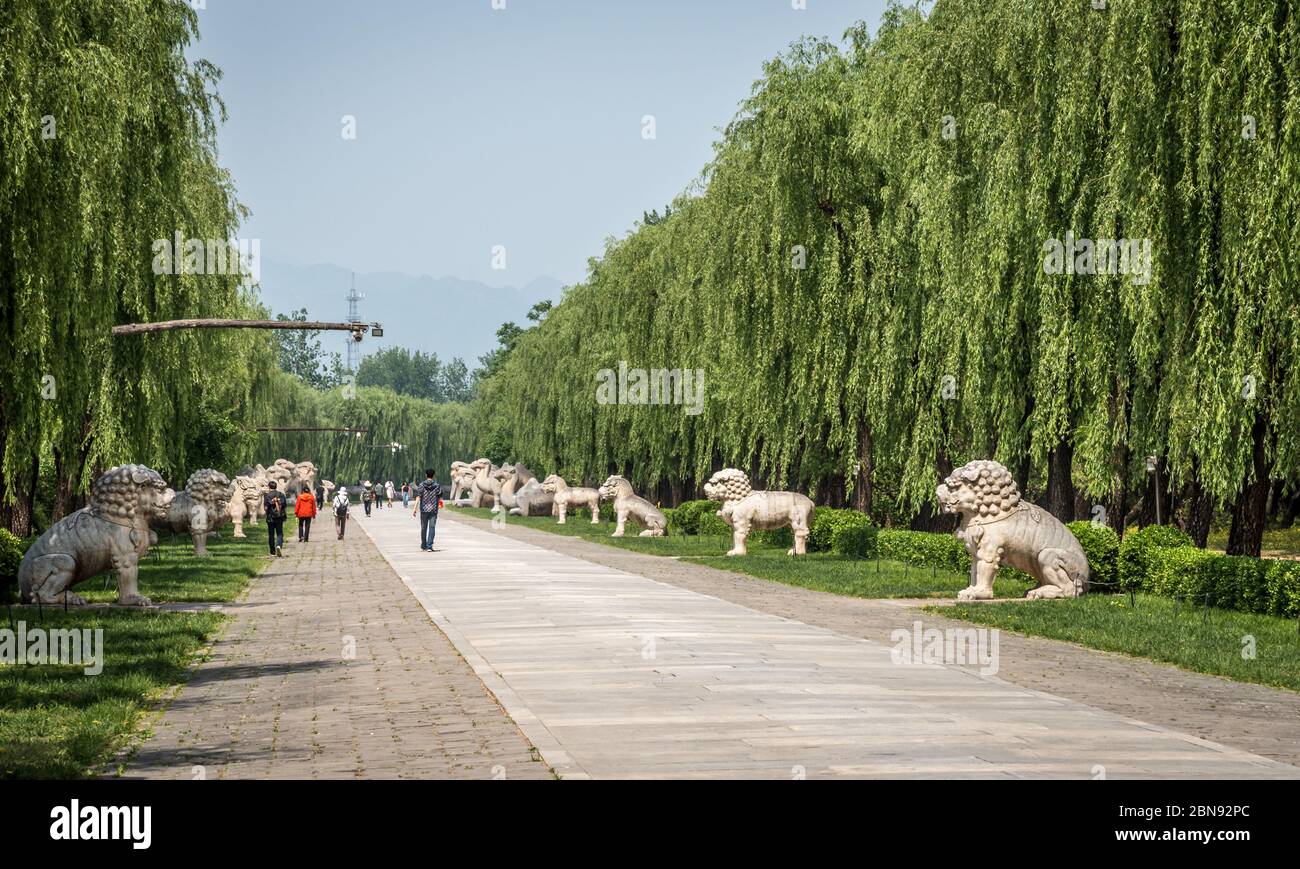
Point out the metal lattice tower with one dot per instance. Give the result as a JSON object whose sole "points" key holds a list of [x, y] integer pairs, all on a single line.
{"points": [[354, 316]]}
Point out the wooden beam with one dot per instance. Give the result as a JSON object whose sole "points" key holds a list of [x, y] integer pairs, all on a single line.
{"points": [[170, 325], [344, 430]]}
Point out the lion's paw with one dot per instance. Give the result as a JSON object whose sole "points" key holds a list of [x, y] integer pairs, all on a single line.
{"points": [[974, 592], [134, 600]]}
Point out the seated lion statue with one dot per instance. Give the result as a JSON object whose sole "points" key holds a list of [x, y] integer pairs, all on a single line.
{"points": [[745, 510], [998, 527], [110, 533]]}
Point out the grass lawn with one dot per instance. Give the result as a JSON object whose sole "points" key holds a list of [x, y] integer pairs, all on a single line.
{"points": [[1157, 628], [171, 573], [58, 722], [820, 571]]}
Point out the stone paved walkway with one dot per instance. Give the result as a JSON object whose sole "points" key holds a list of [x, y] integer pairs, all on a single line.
{"points": [[612, 674], [1254, 718], [331, 669]]}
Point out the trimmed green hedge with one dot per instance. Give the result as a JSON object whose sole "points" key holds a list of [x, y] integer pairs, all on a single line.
{"points": [[827, 520], [924, 549], [1101, 545], [856, 540], [1141, 548]]}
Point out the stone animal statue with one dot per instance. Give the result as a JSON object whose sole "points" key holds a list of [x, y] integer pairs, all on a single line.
{"points": [[199, 510], [512, 478], [627, 504], [457, 478], [533, 500], [570, 498], [110, 533], [998, 527], [303, 477], [463, 485], [746, 510], [486, 487], [244, 503]]}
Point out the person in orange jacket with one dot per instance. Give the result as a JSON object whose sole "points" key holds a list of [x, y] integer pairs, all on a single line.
{"points": [[305, 509]]}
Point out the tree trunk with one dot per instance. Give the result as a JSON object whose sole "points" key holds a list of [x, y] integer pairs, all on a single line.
{"points": [[862, 480], [1197, 511], [20, 518], [1250, 509], [1060, 482]]}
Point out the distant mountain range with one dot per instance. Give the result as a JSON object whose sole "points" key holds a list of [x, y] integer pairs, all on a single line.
{"points": [[447, 315]]}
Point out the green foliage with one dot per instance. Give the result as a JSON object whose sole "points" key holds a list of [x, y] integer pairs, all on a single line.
{"points": [[300, 354], [1253, 585], [11, 555], [921, 548], [1139, 548], [856, 540], [826, 521], [685, 518], [841, 257], [417, 374], [1101, 544]]}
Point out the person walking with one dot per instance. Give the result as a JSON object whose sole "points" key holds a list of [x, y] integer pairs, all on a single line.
{"points": [[305, 510], [367, 495], [390, 493], [429, 498], [341, 504], [406, 495], [273, 505], [320, 497]]}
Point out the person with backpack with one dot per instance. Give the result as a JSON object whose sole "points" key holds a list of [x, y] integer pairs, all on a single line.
{"points": [[367, 495], [428, 500], [341, 504], [305, 509], [273, 504]]}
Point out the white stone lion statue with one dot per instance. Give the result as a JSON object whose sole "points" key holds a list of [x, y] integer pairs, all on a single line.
{"points": [[746, 510], [111, 533], [199, 510], [572, 497], [998, 527], [628, 504]]}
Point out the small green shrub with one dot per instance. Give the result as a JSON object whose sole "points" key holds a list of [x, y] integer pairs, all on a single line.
{"points": [[12, 550], [856, 541], [685, 518], [1138, 549], [711, 524], [826, 520], [782, 537], [1101, 544]]}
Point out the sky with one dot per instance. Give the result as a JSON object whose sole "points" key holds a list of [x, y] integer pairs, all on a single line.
{"points": [[484, 137]]}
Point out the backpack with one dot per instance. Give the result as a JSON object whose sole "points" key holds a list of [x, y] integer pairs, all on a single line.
{"points": [[340, 510], [275, 507]]}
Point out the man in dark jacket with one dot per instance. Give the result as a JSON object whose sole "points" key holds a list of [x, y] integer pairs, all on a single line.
{"points": [[273, 504], [428, 494]]}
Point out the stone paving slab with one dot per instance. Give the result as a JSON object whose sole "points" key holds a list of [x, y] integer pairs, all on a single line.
{"points": [[616, 675], [1255, 718], [284, 696]]}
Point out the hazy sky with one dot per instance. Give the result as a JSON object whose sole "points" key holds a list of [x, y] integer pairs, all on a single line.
{"points": [[478, 127]]}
